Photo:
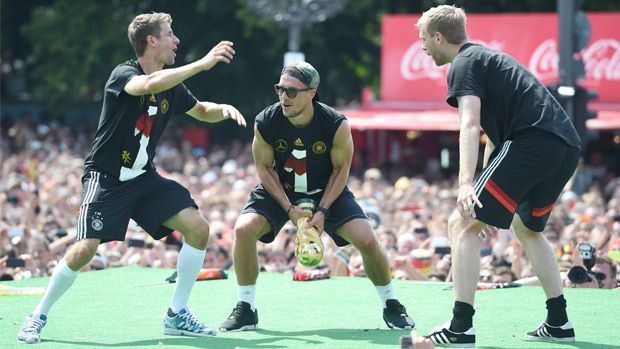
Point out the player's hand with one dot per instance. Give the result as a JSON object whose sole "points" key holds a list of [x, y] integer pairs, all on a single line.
{"points": [[466, 200], [230, 112], [222, 52], [318, 221], [296, 212]]}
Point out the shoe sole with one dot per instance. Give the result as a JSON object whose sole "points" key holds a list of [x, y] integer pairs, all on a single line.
{"points": [[467, 345], [549, 339], [391, 326], [27, 342], [240, 329], [175, 332]]}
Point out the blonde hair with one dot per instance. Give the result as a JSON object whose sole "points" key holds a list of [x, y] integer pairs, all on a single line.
{"points": [[144, 25], [449, 20]]}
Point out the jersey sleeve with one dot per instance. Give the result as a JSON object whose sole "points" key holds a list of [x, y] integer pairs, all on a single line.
{"points": [[465, 78], [120, 77], [339, 119], [184, 100], [262, 124]]}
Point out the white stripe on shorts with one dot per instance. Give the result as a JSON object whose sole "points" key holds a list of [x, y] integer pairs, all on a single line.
{"points": [[91, 190], [487, 172]]}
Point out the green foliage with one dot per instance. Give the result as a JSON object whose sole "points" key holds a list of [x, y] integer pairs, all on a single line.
{"points": [[72, 46]]}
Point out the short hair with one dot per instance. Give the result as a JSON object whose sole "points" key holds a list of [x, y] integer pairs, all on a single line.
{"points": [[144, 25], [449, 20]]}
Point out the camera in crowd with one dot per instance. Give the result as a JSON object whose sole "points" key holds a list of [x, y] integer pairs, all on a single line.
{"points": [[581, 274]]}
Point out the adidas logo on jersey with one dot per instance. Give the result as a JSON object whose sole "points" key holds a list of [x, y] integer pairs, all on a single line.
{"points": [[298, 142]]}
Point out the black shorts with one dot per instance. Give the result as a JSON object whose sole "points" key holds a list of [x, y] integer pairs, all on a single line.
{"points": [[525, 175], [343, 210], [108, 204]]}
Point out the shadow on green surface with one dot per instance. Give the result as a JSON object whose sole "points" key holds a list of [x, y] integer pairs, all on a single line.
{"points": [[589, 345], [206, 342], [223, 342], [373, 336], [384, 337], [557, 345]]}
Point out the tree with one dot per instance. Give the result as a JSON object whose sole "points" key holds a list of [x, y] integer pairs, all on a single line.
{"points": [[71, 46]]}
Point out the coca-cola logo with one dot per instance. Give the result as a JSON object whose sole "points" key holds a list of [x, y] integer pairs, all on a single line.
{"points": [[602, 61], [416, 64], [544, 61]]}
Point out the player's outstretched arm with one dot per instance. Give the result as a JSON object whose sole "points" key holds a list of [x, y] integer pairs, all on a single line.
{"points": [[213, 112], [167, 78]]}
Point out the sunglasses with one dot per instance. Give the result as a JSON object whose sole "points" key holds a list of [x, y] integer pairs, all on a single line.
{"points": [[291, 92]]}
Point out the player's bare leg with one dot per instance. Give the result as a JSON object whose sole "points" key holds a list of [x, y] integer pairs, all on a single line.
{"points": [[465, 243], [556, 326], [179, 320], [62, 278], [248, 229], [360, 234]]}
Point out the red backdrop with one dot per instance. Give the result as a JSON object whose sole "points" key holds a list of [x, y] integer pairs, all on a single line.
{"points": [[408, 74]]}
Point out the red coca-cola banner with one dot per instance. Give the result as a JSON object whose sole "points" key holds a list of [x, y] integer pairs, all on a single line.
{"points": [[408, 74]]}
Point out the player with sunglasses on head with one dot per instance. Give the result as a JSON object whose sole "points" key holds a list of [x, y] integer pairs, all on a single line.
{"points": [[303, 149]]}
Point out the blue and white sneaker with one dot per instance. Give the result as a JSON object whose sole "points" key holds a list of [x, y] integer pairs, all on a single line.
{"points": [[30, 332], [186, 324]]}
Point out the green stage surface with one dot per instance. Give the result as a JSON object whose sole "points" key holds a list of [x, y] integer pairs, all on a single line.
{"points": [[113, 309]]}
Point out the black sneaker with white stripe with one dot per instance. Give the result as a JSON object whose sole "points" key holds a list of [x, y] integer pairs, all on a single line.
{"points": [[546, 332], [442, 336], [395, 316]]}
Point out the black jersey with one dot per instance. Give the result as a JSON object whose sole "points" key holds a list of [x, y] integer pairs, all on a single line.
{"points": [[302, 155], [130, 126], [512, 98]]}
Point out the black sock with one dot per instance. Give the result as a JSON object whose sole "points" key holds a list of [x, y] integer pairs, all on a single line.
{"points": [[462, 318], [171, 313], [556, 311]]}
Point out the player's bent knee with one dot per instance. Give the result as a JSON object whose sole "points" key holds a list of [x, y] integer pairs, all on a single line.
{"points": [[458, 225], [454, 222], [81, 253], [246, 232], [203, 230], [200, 232], [366, 242]]}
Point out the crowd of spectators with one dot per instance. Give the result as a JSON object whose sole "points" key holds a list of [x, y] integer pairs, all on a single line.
{"points": [[40, 187]]}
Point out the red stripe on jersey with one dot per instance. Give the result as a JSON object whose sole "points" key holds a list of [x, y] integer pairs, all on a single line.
{"points": [[500, 196], [539, 212], [144, 124], [298, 165]]}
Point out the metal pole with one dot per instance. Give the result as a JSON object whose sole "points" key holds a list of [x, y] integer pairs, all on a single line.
{"points": [[294, 35], [566, 13]]}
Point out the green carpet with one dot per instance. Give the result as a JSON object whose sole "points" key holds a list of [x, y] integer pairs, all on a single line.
{"points": [[113, 308]]}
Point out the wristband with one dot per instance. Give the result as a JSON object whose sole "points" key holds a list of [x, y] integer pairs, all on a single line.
{"points": [[289, 209], [323, 210]]}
